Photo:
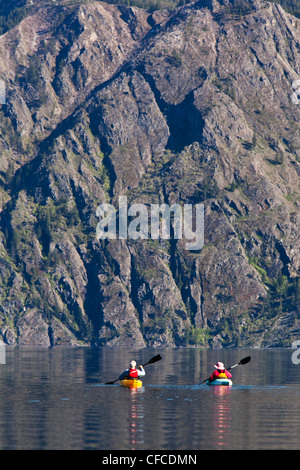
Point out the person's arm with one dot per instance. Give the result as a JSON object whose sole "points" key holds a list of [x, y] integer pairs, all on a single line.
{"points": [[213, 376], [228, 374], [141, 371], [124, 374]]}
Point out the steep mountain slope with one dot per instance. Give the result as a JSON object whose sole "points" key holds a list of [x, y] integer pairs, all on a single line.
{"points": [[195, 105]]}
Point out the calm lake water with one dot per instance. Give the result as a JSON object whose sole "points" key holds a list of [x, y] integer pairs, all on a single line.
{"points": [[56, 399]]}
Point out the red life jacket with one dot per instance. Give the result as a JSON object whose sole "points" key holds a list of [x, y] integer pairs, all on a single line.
{"points": [[218, 374], [133, 373]]}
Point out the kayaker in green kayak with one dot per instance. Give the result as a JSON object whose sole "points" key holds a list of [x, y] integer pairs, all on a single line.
{"points": [[220, 372], [132, 372]]}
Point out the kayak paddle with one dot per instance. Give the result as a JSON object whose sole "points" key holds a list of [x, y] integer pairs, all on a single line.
{"points": [[241, 363], [152, 361]]}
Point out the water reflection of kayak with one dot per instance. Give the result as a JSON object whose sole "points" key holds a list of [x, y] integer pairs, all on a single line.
{"points": [[131, 383], [222, 381]]}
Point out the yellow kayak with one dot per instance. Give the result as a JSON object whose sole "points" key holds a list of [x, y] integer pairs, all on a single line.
{"points": [[131, 383]]}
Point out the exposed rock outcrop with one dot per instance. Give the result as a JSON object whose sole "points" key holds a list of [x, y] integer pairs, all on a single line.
{"points": [[189, 106]]}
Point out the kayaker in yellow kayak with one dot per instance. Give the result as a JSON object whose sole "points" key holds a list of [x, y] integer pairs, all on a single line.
{"points": [[132, 372], [220, 372]]}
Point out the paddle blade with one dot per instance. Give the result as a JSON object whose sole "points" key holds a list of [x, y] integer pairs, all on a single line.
{"points": [[245, 360], [154, 359]]}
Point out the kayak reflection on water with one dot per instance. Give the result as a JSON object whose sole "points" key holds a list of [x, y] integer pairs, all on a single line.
{"points": [[222, 417], [136, 419]]}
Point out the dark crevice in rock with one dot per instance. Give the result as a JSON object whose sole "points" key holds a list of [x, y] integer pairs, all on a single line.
{"points": [[185, 123], [93, 298], [135, 284], [51, 336], [284, 258], [184, 119], [111, 174]]}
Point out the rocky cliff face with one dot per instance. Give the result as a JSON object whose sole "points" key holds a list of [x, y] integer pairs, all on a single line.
{"points": [[195, 105]]}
